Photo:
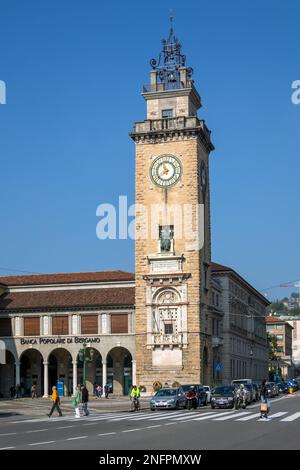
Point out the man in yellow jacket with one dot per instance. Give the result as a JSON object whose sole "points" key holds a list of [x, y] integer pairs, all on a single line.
{"points": [[56, 402]]}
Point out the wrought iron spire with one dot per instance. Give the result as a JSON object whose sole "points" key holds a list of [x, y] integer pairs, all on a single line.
{"points": [[170, 61]]}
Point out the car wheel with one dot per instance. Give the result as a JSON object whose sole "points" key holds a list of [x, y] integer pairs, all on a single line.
{"points": [[213, 407], [152, 409], [177, 405]]}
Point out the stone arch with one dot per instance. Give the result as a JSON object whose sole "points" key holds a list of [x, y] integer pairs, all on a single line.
{"points": [[119, 370], [60, 369], [92, 368], [31, 371], [167, 295], [7, 375]]}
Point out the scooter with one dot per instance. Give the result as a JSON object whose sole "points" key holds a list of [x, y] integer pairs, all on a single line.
{"points": [[240, 401], [192, 401]]}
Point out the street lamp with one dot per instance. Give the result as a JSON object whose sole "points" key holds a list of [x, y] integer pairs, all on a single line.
{"points": [[85, 355], [251, 357]]}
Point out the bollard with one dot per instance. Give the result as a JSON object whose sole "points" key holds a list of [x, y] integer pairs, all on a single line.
{"points": [[291, 390]]}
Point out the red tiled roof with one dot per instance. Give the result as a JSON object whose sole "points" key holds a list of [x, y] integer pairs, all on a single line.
{"points": [[66, 278], [68, 298], [271, 319], [218, 267]]}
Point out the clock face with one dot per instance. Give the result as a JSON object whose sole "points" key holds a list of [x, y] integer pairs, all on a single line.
{"points": [[203, 180], [165, 171]]}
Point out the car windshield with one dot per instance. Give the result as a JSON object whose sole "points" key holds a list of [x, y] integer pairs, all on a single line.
{"points": [[223, 390], [206, 388], [166, 392], [187, 387]]}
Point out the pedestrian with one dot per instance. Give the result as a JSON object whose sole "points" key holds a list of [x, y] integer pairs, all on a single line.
{"points": [[264, 406], [33, 391], [18, 391], [56, 402], [106, 390], [12, 391], [84, 400], [76, 401], [98, 391]]}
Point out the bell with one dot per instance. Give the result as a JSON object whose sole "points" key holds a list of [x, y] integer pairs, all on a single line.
{"points": [[171, 78]]}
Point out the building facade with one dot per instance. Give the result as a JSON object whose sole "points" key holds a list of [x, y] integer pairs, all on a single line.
{"points": [[244, 340], [283, 332], [59, 327]]}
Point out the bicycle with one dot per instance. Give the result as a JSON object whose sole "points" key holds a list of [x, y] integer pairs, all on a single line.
{"points": [[135, 404]]}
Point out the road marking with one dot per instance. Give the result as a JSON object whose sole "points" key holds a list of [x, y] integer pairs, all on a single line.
{"points": [[41, 443], [4, 448], [191, 416], [90, 424], [36, 430], [292, 417], [106, 434], [74, 438], [131, 430], [247, 418], [8, 434], [127, 417], [150, 416], [166, 416], [276, 415], [234, 415], [208, 416], [154, 426], [169, 424], [66, 427]]}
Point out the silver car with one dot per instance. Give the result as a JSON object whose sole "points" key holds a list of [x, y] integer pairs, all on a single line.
{"points": [[172, 398]]}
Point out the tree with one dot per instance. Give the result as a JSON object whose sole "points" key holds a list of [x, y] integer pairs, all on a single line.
{"points": [[272, 344]]}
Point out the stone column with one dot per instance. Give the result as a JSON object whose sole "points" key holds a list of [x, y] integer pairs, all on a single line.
{"points": [[46, 384], [134, 372], [18, 379], [104, 376], [74, 376]]}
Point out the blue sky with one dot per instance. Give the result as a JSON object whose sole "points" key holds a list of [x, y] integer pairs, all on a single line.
{"points": [[74, 71]]}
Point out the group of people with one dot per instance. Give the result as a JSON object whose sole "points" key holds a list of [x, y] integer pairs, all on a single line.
{"points": [[265, 405], [98, 390]]}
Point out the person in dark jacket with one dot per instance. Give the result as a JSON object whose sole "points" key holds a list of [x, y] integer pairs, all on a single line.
{"points": [[264, 399], [84, 400]]}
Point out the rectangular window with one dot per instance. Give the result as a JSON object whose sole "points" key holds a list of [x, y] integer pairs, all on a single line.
{"points": [[270, 327], [168, 326], [279, 327], [5, 327], [119, 323], [60, 325], [32, 326], [167, 113], [279, 337], [280, 349], [89, 324]]}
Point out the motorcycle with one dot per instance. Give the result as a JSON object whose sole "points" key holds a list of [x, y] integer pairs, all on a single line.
{"points": [[192, 401], [240, 400]]}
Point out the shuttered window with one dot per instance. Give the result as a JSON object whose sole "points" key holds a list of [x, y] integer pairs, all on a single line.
{"points": [[89, 324], [32, 326], [119, 323], [5, 327], [60, 325]]}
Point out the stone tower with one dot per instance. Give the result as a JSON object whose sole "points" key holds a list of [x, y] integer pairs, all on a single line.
{"points": [[173, 242]]}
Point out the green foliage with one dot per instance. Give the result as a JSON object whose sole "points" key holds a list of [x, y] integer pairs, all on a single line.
{"points": [[272, 343]]}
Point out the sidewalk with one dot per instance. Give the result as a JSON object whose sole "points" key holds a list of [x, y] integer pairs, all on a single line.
{"points": [[40, 406]]}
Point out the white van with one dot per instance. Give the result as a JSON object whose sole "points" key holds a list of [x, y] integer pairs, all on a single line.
{"points": [[241, 381]]}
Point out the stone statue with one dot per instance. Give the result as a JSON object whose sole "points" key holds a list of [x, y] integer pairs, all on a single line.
{"points": [[166, 235]]}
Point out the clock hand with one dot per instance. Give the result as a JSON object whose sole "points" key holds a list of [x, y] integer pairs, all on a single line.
{"points": [[166, 169]]}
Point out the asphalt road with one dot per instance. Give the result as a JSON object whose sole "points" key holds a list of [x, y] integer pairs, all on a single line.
{"points": [[198, 429]]}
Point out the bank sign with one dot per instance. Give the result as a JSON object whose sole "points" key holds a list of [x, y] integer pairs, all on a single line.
{"points": [[67, 340]]}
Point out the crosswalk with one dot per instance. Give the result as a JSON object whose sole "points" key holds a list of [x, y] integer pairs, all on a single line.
{"points": [[169, 416]]}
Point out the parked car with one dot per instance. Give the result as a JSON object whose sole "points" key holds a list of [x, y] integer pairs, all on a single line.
{"points": [[256, 392], [272, 389], [241, 381], [201, 393], [283, 387], [251, 397], [207, 388], [223, 397], [171, 398]]}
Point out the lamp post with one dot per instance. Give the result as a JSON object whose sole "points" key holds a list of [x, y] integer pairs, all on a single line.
{"points": [[251, 357], [85, 355]]}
